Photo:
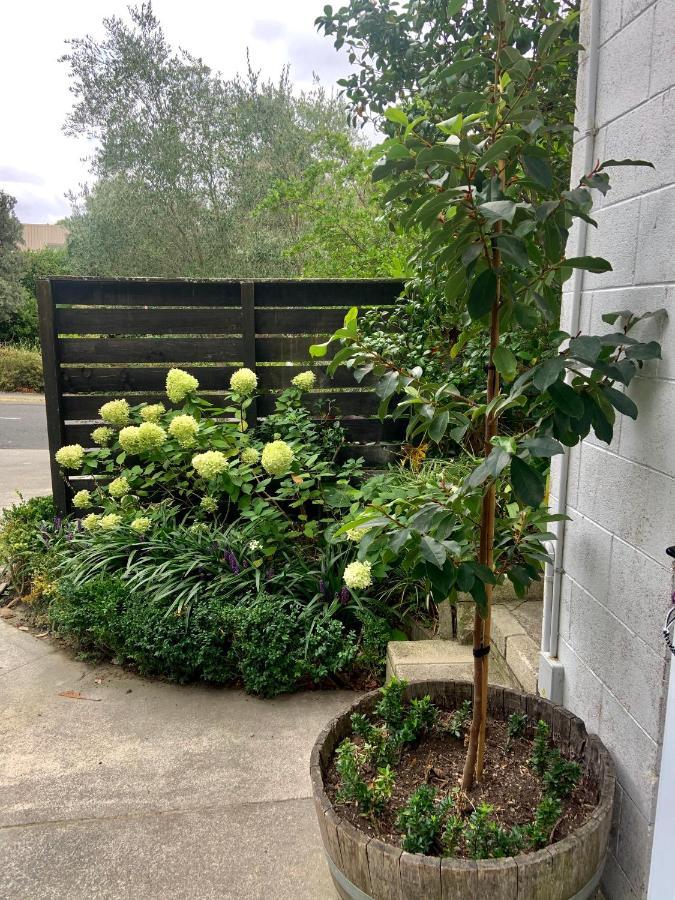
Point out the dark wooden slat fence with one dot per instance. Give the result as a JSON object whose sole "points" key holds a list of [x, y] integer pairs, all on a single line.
{"points": [[106, 338]]}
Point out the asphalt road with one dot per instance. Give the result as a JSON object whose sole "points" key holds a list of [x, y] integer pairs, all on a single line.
{"points": [[24, 457], [23, 425]]}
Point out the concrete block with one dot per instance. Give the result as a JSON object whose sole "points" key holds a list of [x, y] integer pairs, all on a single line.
{"points": [[615, 240], [626, 498], [624, 67], [630, 9], [635, 753], [630, 670], [582, 689], [586, 554], [655, 260], [638, 594], [625, 138], [650, 438], [634, 844], [663, 70]]}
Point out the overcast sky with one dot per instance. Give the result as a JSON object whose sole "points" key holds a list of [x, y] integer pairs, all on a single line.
{"points": [[38, 163]]}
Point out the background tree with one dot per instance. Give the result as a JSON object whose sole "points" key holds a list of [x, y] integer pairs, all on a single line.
{"points": [[12, 296], [183, 157], [336, 213]]}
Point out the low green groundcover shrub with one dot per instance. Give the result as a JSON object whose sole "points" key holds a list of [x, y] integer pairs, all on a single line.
{"points": [[20, 369]]}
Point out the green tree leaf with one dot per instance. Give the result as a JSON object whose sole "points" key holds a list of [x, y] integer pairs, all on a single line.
{"points": [[483, 294], [527, 483], [505, 362]]}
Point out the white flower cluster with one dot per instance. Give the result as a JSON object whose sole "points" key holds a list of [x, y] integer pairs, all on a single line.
{"points": [[277, 458], [71, 456], [244, 382], [304, 380], [357, 575], [208, 465], [115, 412], [179, 385]]}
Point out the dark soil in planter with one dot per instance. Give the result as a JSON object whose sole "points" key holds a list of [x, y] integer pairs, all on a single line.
{"points": [[508, 784]]}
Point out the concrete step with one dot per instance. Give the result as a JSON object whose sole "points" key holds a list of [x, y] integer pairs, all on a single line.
{"points": [[440, 660], [513, 639]]}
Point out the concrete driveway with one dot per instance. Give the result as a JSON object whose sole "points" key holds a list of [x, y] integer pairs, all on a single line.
{"points": [[24, 458], [152, 790]]}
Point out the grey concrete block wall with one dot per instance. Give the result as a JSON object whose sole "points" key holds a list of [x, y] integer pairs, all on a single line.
{"points": [[621, 498]]}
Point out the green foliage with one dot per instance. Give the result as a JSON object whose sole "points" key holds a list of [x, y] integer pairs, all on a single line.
{"points": [[540, 747], [371, 797], [475, 157], [20, 369], [547, 814], [104, 614], [28, 530], [22, 326], [515, 727], [274, 649], [459, 721], [421, 820], [345, 234], [485, 838], [391, 705], [12, 297], [561, 775]]}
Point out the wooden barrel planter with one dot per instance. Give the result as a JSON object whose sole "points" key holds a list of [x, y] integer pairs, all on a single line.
{"points": [[365, 868]]}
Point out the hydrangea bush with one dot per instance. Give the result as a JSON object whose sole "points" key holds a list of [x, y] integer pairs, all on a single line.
{"points": [[190, 505]]}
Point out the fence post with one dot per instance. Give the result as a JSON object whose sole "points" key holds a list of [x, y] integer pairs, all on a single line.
{"points": [[52, 378], [248, 339]]}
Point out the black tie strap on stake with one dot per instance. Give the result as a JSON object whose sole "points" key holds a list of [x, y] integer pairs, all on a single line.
{"points": [[481, 651]]}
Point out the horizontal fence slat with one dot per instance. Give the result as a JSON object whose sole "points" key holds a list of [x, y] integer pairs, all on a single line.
{"points": [[351, 292], [120, 320], [96, 350], [311, 320], [132, 292], [334, 404], [294, 348], [357, 431], [116, 380]]}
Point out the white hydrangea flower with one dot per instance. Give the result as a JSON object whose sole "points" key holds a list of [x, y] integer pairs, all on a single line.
{"points": [[184, 428], [153, 412], [209, 464], [141, 524], [179, 385], [277, 457], [82, 499], [243, 382], [151, 436], [112, 520], [102, 435], [208, 504], [357, 575], [254, 546], [119, 487], [304, 380], [71, 456], [90, 522], [129, 440], [115, 412], [250, 456]]}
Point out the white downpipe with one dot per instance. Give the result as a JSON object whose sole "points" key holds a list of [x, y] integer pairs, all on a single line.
{"points": [[553, 580]]}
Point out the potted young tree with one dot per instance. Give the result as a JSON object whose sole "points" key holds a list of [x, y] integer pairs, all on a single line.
{"points": [[473, 164]]}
